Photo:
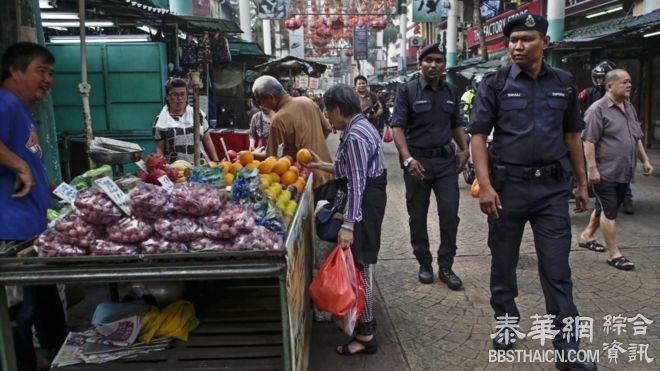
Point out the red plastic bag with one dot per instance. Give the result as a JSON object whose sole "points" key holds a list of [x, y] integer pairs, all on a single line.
{"points": [[347, 323], [387, 136], [331, 290]]}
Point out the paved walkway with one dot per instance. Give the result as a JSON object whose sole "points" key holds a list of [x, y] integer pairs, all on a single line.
{"points": [[429, 327]]}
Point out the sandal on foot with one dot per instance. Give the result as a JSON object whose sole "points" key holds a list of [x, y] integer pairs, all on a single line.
{"points": [[622, 263], [368, 347], [592, 245]]}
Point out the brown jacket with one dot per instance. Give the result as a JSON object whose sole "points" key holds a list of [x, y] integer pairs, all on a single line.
{"points": [[299, 123]]}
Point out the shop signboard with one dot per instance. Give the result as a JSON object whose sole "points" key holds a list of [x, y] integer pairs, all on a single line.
{"points": [[360, 42], [428, 11], [494, 27], [273, 9]]}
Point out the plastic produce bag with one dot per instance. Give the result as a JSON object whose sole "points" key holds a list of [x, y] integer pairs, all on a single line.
{"points": [[159, 245], [208, 244], [331, 290], [178, 227], [150, 201], [260, 239], [474, 189], [196, 199], [213, 176], [176, 320], [129, 230], [86, 179], [49, 244], [96, 207], [229, 222], [387, 135], [105, 247], [75, 231], [347, 322], [128, 182]]}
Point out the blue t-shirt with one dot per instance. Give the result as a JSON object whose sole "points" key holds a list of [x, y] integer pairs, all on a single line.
{"points": [[25, 217]]}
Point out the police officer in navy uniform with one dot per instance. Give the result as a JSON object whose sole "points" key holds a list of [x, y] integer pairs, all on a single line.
{"points": [[537, 123], [425, 120]]}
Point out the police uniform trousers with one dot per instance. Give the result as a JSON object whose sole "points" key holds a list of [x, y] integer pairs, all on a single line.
{"points": [[544, 203], [441, 178]]}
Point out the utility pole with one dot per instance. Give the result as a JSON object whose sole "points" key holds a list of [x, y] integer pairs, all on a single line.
{"points": [[403, 28], [556, 11], [244, 18], [452, 34], [479, 22]]}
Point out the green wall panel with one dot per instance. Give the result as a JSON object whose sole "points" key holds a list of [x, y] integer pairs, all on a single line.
{"points": [[67, 57], [65, 89], [70, 119], [143, 57], [134, 116], [133, 87]]}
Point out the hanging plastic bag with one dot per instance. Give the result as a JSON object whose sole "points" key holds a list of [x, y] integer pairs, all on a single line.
{"points": [[474, 189], [347, 322], [331, 290], [387, 135]]}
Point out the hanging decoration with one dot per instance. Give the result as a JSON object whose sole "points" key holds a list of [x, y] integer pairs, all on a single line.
{"points": [[328, 24]]}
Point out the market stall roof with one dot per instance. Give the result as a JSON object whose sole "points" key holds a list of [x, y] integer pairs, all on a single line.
{"points": [[642, 23], [240, 48], [291, 66], [194, 23], [474, 66]]}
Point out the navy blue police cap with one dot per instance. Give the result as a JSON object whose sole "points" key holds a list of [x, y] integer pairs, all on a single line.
{"points": [[432, 48], [526, 22]]}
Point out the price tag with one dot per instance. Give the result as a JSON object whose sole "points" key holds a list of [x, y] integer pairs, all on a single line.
{"points": [[115, 193], [66, 192], [166, 183], [142, 165], [280, 150]]}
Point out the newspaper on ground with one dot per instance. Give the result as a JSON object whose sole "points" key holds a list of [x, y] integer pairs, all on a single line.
{"points": [[105, 343]]}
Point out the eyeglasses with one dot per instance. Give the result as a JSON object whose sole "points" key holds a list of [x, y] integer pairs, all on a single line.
{"points": [[177, 95]]}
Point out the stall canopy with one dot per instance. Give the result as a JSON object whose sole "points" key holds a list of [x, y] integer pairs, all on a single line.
{"points": [[640, 25], [475, 66], [290, 66]]}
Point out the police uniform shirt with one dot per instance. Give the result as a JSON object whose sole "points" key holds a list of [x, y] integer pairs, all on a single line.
{"points": [[530, 118], [429, 120]]}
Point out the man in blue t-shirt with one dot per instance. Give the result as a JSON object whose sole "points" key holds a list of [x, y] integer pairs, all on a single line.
{"points": [[27, 74]]}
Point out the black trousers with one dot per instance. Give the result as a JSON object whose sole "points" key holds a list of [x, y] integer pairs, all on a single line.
{"points": [[544, 204], [441, 178]]}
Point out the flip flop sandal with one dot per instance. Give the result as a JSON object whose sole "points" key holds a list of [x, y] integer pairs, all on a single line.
{"points": [[621, 263], [369, 347], [592, 245]]}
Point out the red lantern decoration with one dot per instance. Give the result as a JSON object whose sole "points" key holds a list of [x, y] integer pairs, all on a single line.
{"points": [[348, 53], [292, 24], [378, 24]]}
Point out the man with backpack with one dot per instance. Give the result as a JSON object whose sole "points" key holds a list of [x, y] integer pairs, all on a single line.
{"points": [[425, 120], [371, 107], [534, 111]]}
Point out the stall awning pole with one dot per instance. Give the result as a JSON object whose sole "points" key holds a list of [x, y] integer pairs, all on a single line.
{"points": [[84, 87], [196, 123]]}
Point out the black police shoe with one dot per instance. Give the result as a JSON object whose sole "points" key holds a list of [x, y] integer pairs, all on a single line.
{"points": [[425, 274], [576, 366], [499, 342], [448, 276]]}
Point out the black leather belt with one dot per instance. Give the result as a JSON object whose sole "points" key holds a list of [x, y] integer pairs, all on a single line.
{"points": [[534, 172], [445, 151]]}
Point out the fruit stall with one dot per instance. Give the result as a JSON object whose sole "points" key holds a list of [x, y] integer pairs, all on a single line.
{"points": [[245, 222]]}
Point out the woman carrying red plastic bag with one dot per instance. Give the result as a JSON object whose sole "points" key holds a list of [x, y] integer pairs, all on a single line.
{"points": [[361, 179]]}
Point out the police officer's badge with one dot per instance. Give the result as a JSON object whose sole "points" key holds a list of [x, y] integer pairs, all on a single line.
{"points": [[537, 173], [530, 22], [441, 49]]}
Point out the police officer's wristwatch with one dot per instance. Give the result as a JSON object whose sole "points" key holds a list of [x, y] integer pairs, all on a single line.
{"points": [[407, 161]]}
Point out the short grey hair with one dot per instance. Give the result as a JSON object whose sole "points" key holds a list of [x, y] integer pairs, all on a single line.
{"points": [[614, 76], [267, 85]]}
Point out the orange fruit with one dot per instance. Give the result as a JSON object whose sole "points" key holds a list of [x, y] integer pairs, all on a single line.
{"points": [[281, 166], [245, 157], [229, 178], [266, 166], [295, 170], [289, 177], [253, 165], [225, 166], [275, 177], [300, 184], [234, 167], [304, 156]]}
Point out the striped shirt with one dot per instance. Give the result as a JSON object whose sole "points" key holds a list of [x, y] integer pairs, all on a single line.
{"points": [[359, 156]]}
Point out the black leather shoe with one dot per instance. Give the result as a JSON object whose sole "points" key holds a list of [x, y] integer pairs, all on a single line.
{"points": [[425, 274], [448, 276], [576, 366]]}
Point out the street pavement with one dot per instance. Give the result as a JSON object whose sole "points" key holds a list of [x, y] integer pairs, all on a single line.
{"points": [[429, 327]]}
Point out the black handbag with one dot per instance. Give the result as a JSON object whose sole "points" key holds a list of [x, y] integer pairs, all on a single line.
{"points": [[327, 227]]}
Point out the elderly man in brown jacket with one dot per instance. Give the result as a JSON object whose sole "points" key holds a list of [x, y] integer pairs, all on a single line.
{"points": [[297, 123], [612, 143]]}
